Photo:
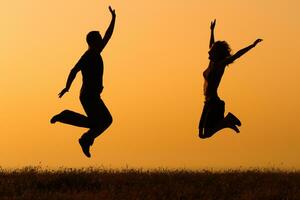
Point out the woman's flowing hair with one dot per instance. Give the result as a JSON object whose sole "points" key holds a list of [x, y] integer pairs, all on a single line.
{"points": [[221, 50]]}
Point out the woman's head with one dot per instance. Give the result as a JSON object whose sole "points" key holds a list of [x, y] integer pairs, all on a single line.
{"points": [[219, 51], [94, 39]]}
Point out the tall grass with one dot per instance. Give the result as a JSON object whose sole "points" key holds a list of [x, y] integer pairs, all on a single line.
{"points": [[94, 183]]}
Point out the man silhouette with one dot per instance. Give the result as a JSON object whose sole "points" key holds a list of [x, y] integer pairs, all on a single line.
{"points": [[98, 117]]}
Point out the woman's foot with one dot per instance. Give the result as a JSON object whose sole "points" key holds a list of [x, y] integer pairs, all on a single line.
{"points": [[234, 119], [231, 122], [234, 128]]}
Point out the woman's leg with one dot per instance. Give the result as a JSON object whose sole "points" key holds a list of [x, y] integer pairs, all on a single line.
{"points": [[203, 121], [212, 119], [227, 122]]}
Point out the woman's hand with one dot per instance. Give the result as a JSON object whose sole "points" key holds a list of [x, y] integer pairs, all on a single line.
{"points": [[212, 25], [62, 92], [257, 41], [112, 11]]}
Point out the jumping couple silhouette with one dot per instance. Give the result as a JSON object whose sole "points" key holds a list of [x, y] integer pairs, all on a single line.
{"points": [[98, 117]]}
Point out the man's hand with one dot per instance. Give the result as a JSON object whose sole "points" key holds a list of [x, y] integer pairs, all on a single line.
{"points": [[112, 11], [212, 25], [62, 92], [257, 41]]}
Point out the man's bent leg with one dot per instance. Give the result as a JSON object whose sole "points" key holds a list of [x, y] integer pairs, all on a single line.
{"points": [[87, 139], [99, 117], [71, 118]]}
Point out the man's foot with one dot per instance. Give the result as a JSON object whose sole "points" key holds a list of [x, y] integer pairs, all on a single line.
{"points": [[85, 146], [54, 119], [234, 119]]}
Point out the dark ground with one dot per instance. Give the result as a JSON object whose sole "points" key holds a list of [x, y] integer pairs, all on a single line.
{"points": [[91, 183]]}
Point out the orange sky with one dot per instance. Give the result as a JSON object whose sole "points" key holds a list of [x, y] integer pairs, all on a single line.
{"points": [[153, 83]]}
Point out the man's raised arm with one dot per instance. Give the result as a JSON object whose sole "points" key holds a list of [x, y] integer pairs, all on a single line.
{"points": [[110, 28]]}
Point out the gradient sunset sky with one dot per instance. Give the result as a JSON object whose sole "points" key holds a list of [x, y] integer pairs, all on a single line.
{"points": [[152, 83]]}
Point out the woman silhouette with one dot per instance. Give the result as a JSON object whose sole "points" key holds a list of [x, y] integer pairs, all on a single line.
{"points": [[212, 118], [91, 66]]}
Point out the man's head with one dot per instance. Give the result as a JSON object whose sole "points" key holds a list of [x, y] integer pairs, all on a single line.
{"points": [[94, 40]]}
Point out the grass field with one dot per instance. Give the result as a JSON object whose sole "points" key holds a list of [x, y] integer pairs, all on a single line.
{"points": [[93, 183]]}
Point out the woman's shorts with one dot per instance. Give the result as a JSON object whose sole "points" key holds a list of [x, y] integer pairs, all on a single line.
{"points": [[213, 112]]}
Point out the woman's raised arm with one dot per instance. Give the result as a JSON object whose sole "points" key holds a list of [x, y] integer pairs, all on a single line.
{"points": [[212, 36], [241, 52]]}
